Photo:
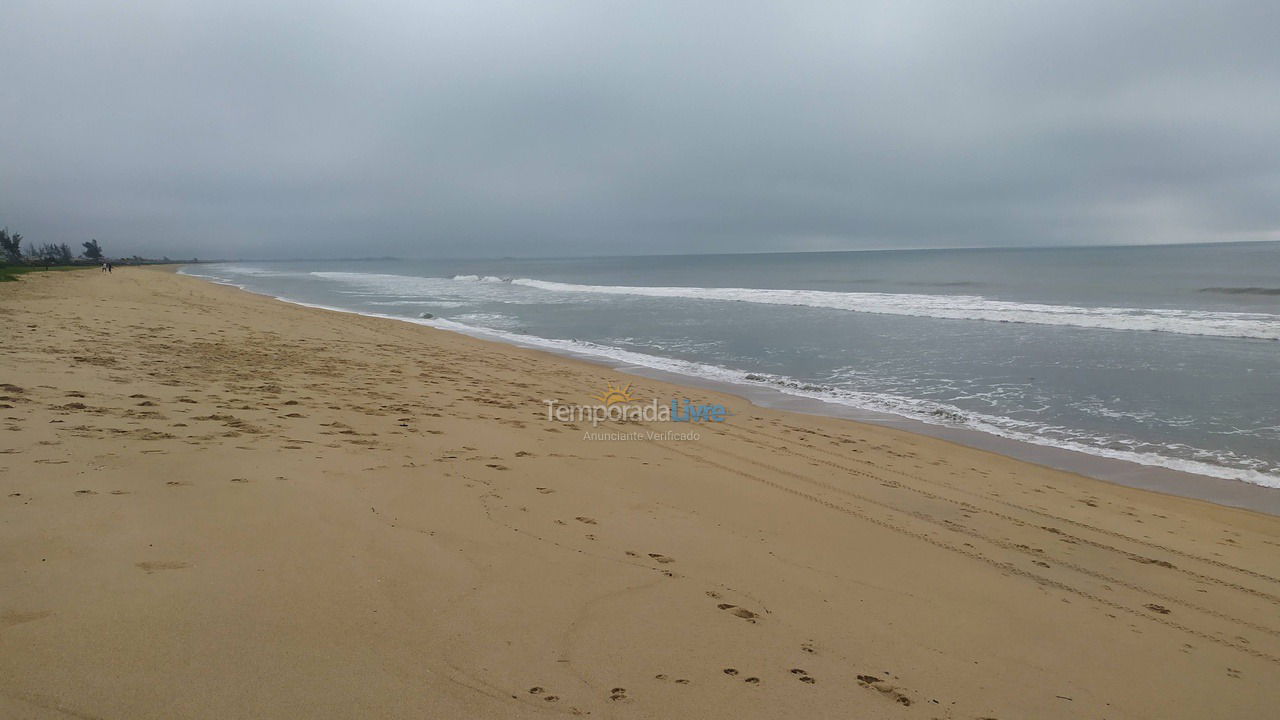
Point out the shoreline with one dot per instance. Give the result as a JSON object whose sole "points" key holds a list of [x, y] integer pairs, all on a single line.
{"points": [[1227, 492], [214, 504], [1151, 478]]}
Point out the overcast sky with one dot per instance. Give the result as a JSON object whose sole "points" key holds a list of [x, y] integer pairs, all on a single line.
{"points": [[418, 129]]}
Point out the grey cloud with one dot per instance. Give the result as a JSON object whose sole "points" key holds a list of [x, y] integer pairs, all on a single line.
{"points": [[320, 129]]}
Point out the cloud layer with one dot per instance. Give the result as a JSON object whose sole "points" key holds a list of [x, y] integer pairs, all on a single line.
{"points": [[315, 129]]}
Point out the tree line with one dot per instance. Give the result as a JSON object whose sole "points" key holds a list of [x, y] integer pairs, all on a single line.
{"points": [[47, 253]]}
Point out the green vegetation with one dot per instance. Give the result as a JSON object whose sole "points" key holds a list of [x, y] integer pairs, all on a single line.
{"points": [[49, 256], [11, 246], [9, 273], [16, 260]]}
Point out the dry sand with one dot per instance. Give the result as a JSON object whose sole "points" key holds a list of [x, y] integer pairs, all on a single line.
{"points": [[217, 505]]}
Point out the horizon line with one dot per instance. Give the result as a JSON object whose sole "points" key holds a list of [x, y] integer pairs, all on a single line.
{"points": [[747, 253]]}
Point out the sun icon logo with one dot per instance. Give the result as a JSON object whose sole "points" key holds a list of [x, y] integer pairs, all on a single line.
{"points": [[615, 394]]}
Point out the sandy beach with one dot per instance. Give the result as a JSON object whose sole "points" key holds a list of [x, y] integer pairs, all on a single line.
{"points": [[219, 505]]}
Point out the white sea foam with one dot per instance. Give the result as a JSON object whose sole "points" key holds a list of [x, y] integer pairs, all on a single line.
{"points": [[1263, 326], [465, 288], [252, 270], [481, 278], [417, 303], [489, 320]]}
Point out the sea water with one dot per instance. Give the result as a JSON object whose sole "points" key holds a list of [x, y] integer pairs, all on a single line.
{"points": [[1162, 355]]}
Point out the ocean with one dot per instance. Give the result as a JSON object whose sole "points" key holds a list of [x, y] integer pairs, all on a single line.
{"points": [[1166, 356]]}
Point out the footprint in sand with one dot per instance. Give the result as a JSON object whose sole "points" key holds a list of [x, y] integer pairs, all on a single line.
{"points": [[585, 520], [733, 672], [545, 491], [743, 613], [9, 618], [803, 676], [496, 467], [617, 694], [661, 558], [151, 567], [874, 683], [86, 492]]}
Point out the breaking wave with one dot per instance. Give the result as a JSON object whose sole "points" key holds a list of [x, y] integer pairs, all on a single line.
{"points": [[1263, 326]]}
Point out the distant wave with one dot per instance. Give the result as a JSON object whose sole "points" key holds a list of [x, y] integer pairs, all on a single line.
{"points": [[1242, 290], [483, 278], [418, 303], [1260, 326], [245, 270], [1263, 326]]}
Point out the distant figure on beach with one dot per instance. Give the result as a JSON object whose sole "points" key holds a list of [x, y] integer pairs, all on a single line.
{"points": [[104, 267], [109, 266]]}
